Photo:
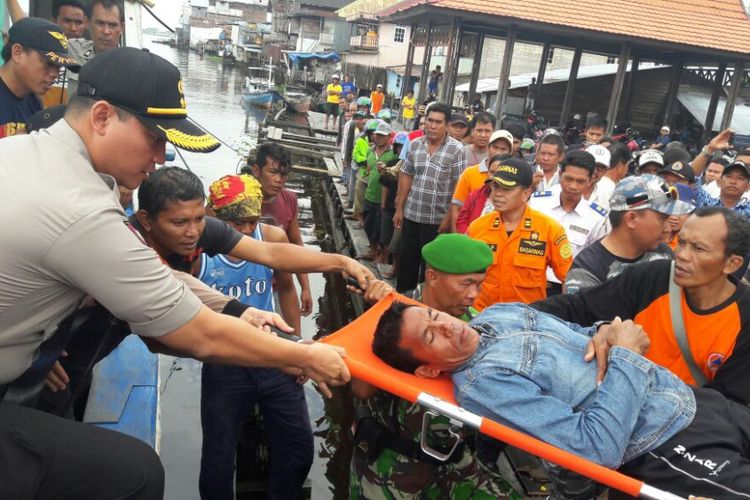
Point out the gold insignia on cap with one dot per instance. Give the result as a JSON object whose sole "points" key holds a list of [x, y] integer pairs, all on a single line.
{"points": [[60, 38], [200, 143], [677, 166]]}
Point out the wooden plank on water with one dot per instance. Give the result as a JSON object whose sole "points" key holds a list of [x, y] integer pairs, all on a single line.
{"points": [[289, 125]]}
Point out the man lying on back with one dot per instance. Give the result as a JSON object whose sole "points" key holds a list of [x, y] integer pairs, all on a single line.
{"points": [[525, 369]]}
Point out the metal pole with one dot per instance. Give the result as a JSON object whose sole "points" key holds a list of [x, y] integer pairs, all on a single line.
{"points": [[739, 69], [626, 100], [476, 66], [542, 70], [425, 64], [502, 84], [674, 87], [708, 125], [571, 87], [452, 73], [406, 86], [614, 98], [449, 62]]}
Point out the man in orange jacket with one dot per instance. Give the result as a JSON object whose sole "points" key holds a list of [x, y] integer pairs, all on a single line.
{"points": [[524, 241]]}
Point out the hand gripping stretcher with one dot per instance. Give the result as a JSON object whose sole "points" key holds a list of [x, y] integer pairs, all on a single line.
{"points": [[437, 396]]}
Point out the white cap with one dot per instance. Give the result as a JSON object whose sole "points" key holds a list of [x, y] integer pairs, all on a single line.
{"points": [[600, 153], [502, 134], [379, 85], [650, 156], [665, 128], [336, 77]]}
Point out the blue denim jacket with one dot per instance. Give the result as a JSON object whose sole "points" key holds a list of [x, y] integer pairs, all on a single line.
{"points": [[529, 373]]}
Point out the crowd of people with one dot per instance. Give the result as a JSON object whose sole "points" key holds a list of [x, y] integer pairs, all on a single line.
{"points": [[591, 296]]}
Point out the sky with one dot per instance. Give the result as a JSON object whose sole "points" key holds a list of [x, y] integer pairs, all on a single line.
{"points": [[168, 10]]}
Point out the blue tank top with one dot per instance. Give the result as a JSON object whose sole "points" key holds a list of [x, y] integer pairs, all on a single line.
{"points": [[248, 282]]}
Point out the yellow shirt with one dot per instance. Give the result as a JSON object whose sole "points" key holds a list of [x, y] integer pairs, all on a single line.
{"points": [[333, 92], [408, 107]]}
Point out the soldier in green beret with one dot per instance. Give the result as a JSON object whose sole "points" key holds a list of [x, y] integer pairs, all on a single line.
{"points": [[387, 462]]}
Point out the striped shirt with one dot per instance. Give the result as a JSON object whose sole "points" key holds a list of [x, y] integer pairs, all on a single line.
{"points": [[435, 178]]}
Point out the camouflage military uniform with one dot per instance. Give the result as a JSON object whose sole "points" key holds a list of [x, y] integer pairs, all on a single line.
{"points": [[398, 477]]}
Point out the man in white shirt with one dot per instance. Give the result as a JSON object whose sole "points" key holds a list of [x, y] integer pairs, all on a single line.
{"points": [[584, 222]]}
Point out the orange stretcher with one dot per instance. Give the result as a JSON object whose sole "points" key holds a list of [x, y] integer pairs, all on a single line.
{"points": [[437, 396]]}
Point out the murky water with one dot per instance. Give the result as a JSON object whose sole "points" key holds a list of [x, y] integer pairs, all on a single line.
{"points": [[213, 95]]}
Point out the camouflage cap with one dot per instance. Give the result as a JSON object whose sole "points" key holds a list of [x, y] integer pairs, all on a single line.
{"points": [[647, 191]]}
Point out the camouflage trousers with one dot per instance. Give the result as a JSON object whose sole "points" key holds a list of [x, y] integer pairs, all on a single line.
{"points": [[396, 477]]}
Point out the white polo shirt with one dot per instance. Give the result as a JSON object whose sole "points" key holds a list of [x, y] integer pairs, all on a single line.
{"points": [[65, 236], [585, 224]]}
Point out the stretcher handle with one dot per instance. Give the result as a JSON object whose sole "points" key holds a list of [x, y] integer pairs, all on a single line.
{"points": [[599, 473]]}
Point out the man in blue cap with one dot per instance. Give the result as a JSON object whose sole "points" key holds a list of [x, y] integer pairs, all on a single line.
{"points": [[387, 461]]}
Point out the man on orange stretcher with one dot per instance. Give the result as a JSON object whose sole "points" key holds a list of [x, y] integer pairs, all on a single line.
{"points": [[525, 369]]}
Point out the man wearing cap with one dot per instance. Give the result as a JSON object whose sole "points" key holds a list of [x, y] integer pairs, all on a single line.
{"points": [[584, 222], [380, 154], [640, 207], [733, 185], [130, 103], [650, 162], [457, 127], [229, 393], [551, 153], [601, 160], [474, 177], [333, 92], [376, 97], [32, 58], [714, 349], [524, 241], [425, 185], [387, 461], [661, 142]]}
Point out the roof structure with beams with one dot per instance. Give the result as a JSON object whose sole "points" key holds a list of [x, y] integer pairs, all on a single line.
{"points": [[709, 26]]}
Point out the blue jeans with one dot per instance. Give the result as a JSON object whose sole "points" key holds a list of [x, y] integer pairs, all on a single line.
{"points": [[228, 395], [352, 188]]}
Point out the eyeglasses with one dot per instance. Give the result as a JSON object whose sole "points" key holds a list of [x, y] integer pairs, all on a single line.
{"points": [[641, 199]]}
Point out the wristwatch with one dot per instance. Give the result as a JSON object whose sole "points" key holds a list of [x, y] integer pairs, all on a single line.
{"points": [[706, 152], [599, 324]]}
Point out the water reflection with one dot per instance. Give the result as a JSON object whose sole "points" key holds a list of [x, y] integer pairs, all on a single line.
{"points": [[213, 95]]}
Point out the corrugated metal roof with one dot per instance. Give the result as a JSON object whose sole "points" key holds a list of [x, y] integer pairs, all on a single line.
{"points": [[553, 76], [715, 24], [331, 4], [365, 7], [696, 101]]}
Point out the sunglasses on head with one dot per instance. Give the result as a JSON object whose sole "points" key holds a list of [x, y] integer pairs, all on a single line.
{"points": [[669, 192]]}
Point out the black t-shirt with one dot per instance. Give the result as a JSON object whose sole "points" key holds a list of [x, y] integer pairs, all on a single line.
{"points": [[217, 238], [595, 265], [15, 112]]}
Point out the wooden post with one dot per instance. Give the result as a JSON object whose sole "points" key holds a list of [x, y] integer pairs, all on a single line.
{"points": [[674, 87], [451, 74], [406, 84], [542, 70], [570, 89], [708, 125], [630, 86], [502, 84], [739, 69], [476, 67], [425, 64], [614, 98], [449, 62]]}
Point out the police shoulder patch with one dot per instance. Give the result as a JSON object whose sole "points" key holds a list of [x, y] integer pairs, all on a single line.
{"points": [[600, 210]]}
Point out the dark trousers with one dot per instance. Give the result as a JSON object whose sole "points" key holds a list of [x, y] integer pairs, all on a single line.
{"points": [[228, 395], [46, 457], [411, 266], [709, 458]]}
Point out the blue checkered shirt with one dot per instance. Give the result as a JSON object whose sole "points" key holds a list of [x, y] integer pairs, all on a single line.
{"points": [[435, 177]]}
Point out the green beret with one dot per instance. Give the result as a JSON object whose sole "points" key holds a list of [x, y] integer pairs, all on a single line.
{"points": [[457, 254]]}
